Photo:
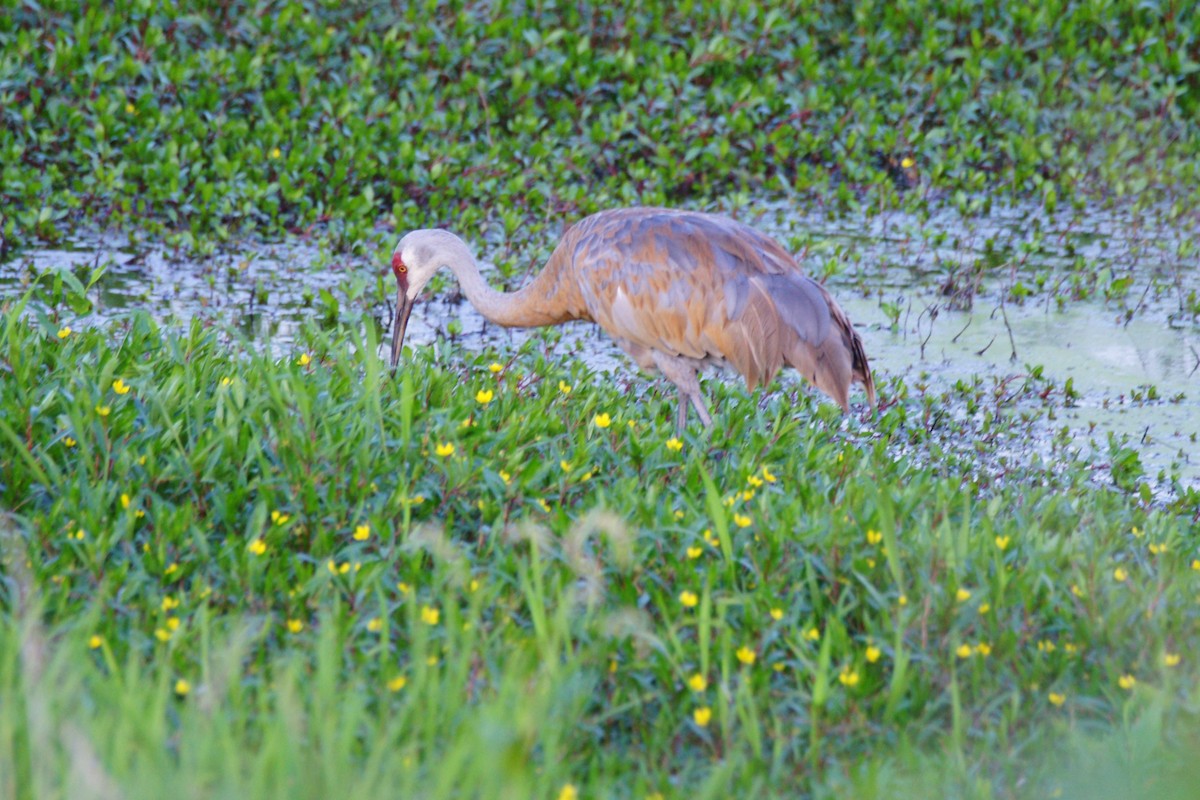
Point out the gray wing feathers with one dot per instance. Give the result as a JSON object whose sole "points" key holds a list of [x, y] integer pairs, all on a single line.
{"points": [[801, 303]]}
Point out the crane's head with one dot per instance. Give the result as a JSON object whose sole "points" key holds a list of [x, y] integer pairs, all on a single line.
{"points": [[416, 258]]}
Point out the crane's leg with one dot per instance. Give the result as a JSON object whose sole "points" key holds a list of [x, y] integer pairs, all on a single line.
{"points": [[681, 418], [702, 408], [682, 372]]}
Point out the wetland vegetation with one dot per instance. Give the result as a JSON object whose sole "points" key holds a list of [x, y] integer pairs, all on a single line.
{"points": [[239, 558]]}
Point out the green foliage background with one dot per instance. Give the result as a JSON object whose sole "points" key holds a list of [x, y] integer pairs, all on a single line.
{"points": [[406, 113]]}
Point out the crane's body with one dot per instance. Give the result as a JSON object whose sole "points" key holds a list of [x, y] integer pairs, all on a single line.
{"points": [[677, 290]]}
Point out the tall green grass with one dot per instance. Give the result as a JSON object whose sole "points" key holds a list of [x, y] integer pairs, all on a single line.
{"points": [[260, 574]]}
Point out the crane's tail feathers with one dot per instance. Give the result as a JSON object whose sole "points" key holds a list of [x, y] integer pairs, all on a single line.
{"points": [[837, 359], [827, 366], [862, 368]]}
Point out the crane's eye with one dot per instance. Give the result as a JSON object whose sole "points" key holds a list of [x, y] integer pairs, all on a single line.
{"points": [[402, 268], [398, 265]]}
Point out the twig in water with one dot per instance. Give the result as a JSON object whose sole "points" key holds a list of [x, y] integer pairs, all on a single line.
{"points": [[1141, 302], [1011, 341], [964, 330], [933, 312]]}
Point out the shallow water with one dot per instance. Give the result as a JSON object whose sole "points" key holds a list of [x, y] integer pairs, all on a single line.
{"points": [[1101, 298]]}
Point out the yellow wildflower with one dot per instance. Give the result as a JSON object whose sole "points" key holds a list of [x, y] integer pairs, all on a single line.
{"points": [[848, 677], [1057, 699], [906, 163], [495, 367], [362, 533], [873, 654], [688, 599], [1002, 542], [564, 465], [697, 683], [64, 332], [375, 625], [602, 420], [564, 387], [1119, 574], [295, 625], [445, 449], [257, 546], [874, 537], [983, 648], [674, 444], [506, 477], [95, 642], [69, 442], [162, 634], [768, 476], [275, 153], [568, 792], [397, 683], [963, 595], [694, 552], [746, 655], [812, 634], [963, 651], [403, 587], [226, 381], [173, 623], [701, 716], [776, 614], [304, 360], [430, 615], [1157, 549], [103, 411], [741, 520], [1127, 681], [484, 396], [120, 387], [182, 687], [1170, 659]]}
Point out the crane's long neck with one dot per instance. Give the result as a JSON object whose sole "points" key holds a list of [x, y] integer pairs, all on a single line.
{"points": [[545, 300]]}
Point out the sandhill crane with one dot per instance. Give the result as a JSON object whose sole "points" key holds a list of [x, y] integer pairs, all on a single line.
{"points": [[677, 290]]}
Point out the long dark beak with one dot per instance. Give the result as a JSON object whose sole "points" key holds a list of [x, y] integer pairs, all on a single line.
{"points": [[399, 324]]}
